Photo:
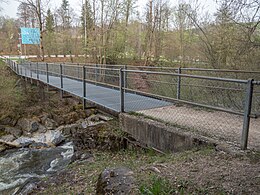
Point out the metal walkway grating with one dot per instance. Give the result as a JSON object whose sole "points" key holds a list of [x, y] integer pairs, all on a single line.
{"points": [[103, 96]]}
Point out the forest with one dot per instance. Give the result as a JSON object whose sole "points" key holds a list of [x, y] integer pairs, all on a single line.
{"points": [[160, 33]]}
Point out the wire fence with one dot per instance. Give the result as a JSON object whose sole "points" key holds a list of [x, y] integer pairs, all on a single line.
{"points": [[221, 104], [214, 107]]}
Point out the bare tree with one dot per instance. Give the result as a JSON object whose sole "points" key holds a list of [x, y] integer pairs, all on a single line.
{"points": [[2, 1], [37, 7]]}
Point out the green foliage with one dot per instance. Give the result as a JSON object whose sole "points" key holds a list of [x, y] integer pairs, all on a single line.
{"points": [[157, 186], [65, 5], [65, 14], [86, 14], [49, 22]]}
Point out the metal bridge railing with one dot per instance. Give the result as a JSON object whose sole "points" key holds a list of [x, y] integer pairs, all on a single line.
{"points": [[208, 104], [226, 108]]}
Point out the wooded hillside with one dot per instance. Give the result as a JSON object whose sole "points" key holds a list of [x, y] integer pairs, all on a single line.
{"points": [[118, 32]]}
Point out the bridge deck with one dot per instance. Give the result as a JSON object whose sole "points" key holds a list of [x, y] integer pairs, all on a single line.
{"points": [[101, 95]]}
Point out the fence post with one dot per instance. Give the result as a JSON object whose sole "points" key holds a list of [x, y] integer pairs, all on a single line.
{"points": [[21, 70], [84, 87], [179, 85], [37, 67], [78, 71], [96, 69], [61, 81], [47, 72], [125, 77], [122, 94], [247, 112], [17, 68], [25, 72], [31, 71]]}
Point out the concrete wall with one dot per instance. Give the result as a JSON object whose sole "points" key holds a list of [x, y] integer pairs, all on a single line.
{"points": [[158, 135]]}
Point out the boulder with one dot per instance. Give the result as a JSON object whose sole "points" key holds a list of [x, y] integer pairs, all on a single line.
{"points": [[116, 181], [84, 124], [50, 124], [54, 137], [14, 131], [42, 129], [92, 124], [39, 138], [104, 118], [7, 138], [93, 118], [22, 142], [28, 125], [68, 130]]}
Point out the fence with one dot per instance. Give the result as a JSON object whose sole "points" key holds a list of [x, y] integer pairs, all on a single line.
{"points": [[225, 108]]}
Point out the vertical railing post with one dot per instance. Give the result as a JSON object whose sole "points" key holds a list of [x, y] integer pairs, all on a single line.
{"points": [[47, 72], [78, 72], [247, 112], [84, 87], [125, 77], [17, 68], [96, 69], [31, 71], [37, 70], [25, 72], [13, 66], [122, 93], [179, 85], [61, 81]]}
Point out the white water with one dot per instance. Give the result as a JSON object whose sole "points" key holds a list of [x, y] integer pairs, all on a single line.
{"points": [[20, 166]]}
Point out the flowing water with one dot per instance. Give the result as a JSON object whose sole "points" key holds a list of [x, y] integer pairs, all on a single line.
{"points": [[19, 167]]}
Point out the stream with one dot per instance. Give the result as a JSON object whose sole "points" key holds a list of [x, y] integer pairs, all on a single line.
{"points": [[19, 167]]}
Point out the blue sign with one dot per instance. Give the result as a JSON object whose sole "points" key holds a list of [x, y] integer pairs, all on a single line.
{"points": [[30, 35]]}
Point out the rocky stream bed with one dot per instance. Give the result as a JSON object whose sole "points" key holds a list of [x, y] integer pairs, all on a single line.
{"points": [[34, 148]]}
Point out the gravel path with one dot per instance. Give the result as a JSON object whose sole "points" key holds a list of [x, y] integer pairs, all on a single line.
{"points": [[218, 125]]}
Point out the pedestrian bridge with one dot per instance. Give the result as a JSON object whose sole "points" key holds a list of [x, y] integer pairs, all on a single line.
{"points": [[207, 101]]}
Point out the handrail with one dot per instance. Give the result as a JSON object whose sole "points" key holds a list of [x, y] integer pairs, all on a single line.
{"points": [[189, 76]]}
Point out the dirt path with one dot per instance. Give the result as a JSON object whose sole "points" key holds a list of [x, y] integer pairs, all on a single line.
{"points": [[219, 125]]}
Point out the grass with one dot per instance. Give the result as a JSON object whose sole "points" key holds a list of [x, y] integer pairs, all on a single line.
{"points": [[157, 186], [81, 177]]}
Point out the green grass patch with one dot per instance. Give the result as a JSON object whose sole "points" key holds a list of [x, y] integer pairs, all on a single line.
{"points": [[157, 186]]}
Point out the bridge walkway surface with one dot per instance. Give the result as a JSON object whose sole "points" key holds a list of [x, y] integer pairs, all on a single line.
{"points": [[104, 96]]}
